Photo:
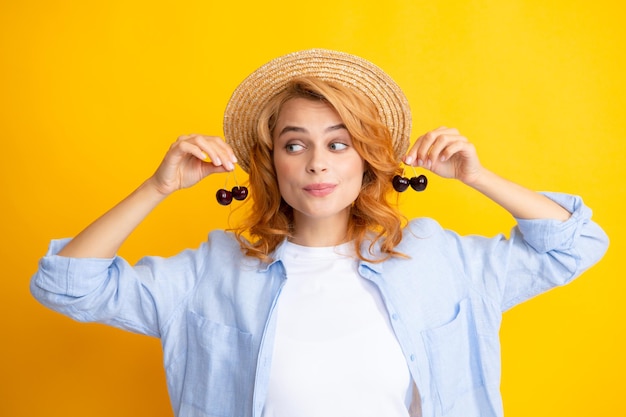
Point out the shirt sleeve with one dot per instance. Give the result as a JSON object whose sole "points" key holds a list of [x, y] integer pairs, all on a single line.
{"points": [[539, 255], [137, 298]]}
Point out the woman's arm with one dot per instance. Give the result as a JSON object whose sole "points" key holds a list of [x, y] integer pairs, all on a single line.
{"points": [[183, 166], [447, 153], [521, 202]]}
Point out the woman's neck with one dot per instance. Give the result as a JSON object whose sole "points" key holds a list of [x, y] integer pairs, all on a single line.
{"points": [[331, 231]]}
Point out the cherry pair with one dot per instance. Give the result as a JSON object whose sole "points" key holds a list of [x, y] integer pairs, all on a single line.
{"points": [[418, 183], [225, 197], [401, 183]]}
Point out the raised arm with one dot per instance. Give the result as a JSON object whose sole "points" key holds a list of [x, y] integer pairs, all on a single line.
{"points": [[447, 153], [183, 166]]}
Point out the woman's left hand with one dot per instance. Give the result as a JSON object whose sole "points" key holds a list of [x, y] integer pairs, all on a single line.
{"points": [[447, 153]]}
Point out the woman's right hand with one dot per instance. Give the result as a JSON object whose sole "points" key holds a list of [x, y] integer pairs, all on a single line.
{"points": [[190, 159]]}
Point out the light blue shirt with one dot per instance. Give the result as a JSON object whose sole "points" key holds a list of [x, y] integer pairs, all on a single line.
{"points": [[213, 308]]}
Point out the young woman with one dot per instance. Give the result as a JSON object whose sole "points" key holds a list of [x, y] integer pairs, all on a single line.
{"points": [[323, 303]]}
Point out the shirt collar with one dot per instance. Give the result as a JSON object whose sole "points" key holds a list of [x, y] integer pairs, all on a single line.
{"points": [[278, 254]]}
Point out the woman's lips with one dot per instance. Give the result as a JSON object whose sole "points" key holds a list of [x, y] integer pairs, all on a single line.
{"points": [[320, 190]]}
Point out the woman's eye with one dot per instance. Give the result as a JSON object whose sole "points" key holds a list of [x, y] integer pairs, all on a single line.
{"points": [[294, 147], [338, 146]]}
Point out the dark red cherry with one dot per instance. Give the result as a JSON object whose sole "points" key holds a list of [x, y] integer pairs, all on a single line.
{"points": [[224, 197], [400, 183], [239, 192], [419, 183]]}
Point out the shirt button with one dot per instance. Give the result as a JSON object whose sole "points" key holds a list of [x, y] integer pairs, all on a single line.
{"points": [[412, 357], [394, 316]]}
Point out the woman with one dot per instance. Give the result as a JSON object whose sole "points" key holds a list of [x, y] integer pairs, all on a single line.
{"points": [[323, 303]]}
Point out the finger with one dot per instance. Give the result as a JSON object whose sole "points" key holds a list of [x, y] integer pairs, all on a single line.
{"points": [[443, 142], [447, 130], [185, 147], [212, 149], [411, 156], [419, 154], [218, 151], [424, 145], [183, 137], [460, 147]]}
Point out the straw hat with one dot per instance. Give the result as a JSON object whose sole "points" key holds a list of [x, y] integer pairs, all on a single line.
{"points": [[254, 92]]}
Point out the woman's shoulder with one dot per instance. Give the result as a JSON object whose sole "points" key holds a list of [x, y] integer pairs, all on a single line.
{"points": [[423, 227], [223, 241], [226, 245], [424, 233]]}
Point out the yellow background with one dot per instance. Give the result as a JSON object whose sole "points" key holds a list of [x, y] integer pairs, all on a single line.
{"points": [[93, 93]]}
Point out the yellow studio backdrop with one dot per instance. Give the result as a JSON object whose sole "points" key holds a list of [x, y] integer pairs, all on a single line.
{"points": [[93, 93]]}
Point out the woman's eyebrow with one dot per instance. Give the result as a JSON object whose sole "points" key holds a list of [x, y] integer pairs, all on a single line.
{"points": [[299, 129], [288, 129], [336, 127]]}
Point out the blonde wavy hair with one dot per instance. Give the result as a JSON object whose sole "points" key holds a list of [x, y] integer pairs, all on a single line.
{"points": [[372, 216]]}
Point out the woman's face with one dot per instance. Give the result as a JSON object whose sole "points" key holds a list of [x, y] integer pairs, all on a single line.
{"points": [[319, 172]]}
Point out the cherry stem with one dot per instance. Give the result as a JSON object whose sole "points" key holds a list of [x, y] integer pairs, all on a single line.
{"points": [[228, 176], [235, 175]]}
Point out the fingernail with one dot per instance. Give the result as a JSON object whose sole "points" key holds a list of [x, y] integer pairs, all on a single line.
{"points": [[429, 164], [217, 162], [408, 160], [420, 163]]}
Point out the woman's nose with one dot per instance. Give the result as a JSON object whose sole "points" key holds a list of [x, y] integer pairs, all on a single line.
{"points": [[318, 162]]}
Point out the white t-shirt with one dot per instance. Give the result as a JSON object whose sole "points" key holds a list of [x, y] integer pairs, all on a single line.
{"points": [[335, 353]]}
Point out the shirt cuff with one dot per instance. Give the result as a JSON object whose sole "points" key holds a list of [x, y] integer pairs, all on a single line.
{"points": [[73, 277], [546, 235]]}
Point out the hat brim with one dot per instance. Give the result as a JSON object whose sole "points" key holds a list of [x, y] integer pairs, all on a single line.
{"points": [[252, 95]]}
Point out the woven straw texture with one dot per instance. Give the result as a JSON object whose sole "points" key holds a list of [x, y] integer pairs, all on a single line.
{"points": [[247, 101]]}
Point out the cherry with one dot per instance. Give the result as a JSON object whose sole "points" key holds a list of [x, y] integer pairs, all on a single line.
{"points": [[419, 183], [239, 192], [224, 197], [400, 183]]}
